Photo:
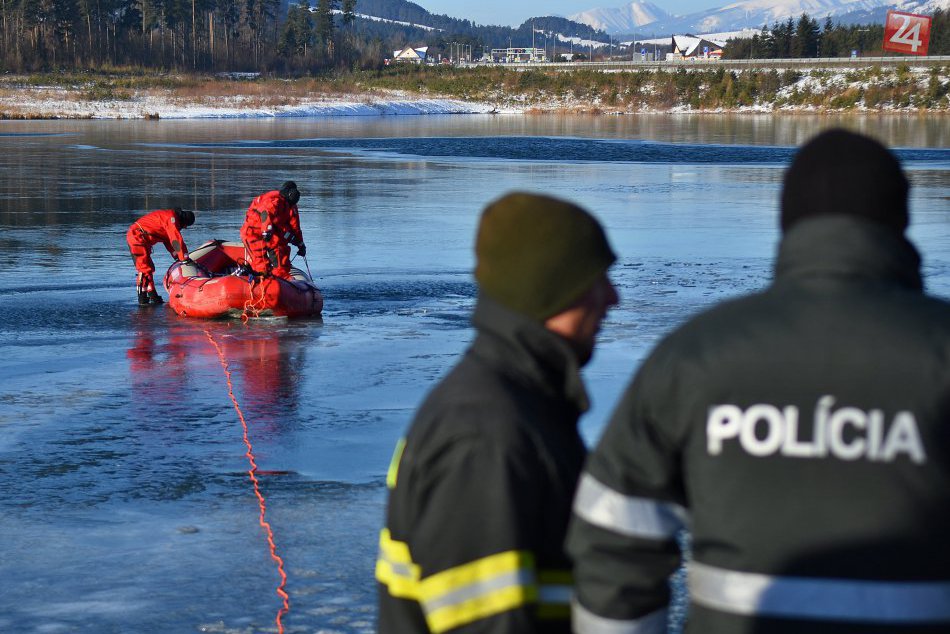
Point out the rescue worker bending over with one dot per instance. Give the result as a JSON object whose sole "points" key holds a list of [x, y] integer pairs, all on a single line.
{"points": [[801, 434], [165, 226], [480, 489], [271, 225]]}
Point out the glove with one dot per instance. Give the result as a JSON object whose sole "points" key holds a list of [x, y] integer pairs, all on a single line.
{"points": [[302, 249]]}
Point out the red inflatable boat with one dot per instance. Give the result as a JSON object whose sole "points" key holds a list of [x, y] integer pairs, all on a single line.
{"points": [[217, 285]]}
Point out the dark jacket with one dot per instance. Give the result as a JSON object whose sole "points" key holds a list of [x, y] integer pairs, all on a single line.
{"points": [[802, 435], [481, 489]]}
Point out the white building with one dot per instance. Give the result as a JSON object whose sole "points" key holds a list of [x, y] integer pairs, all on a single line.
{"points": [[411, 55], [518, 55], [686, 46]]}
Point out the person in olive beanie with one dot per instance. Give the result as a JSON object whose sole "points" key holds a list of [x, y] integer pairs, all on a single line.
{"points": [[819, 181], [537, 254], [480, 488]]}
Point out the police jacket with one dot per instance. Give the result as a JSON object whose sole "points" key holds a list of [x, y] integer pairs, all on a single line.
{"points": [[802, 435], [480, 489]]}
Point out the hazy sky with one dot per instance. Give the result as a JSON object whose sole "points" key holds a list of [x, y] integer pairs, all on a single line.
{"points": [[514, 12]]}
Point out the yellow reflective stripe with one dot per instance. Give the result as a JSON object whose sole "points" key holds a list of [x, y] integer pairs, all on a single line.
{"points": [[394, 567], [554, 594], [478, 589], [466, 593], [479, 608], [394, 464]]}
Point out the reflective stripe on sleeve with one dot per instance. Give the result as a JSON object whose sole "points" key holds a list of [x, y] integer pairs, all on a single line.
{"points": [[394, 567], [478, 589], [818, 598], [584, 621], [555, 591], [626, 514], [393, 472]]}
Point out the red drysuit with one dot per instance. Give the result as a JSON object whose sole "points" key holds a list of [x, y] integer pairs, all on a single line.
{"points": [[158, 226], [272, 224]]}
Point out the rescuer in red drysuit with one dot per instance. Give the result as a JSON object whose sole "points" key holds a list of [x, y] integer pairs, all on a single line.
{"points": [[271, 225], [163, 226]]}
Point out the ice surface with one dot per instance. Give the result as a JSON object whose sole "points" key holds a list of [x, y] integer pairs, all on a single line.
{"points": [[127, 505]]}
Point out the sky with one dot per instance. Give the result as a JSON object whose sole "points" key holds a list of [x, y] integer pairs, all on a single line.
{"points": [[515, 12]]}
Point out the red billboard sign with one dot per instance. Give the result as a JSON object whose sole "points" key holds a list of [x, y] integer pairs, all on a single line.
{"points": [[907, 33]]}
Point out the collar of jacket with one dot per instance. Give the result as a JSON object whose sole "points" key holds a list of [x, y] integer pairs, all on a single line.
{"points": [[529, 351], [847, 248]]}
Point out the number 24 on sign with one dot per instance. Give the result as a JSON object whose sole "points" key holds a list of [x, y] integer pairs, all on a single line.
{"points": [[907, 33]]}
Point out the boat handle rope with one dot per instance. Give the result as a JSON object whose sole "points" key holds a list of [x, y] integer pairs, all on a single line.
{"points": [[262, 505], [251, 306]]}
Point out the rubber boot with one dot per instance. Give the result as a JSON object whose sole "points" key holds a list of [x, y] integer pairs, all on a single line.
{"points": [[155, 298], [143, 297]]}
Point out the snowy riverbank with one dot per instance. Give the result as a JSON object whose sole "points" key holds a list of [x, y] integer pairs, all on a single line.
{"points": [[63, 103], [481, 91]]}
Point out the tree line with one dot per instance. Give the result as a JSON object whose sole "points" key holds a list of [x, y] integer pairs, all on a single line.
{"points": [[263, 36], [199, 35], [804, 38]]}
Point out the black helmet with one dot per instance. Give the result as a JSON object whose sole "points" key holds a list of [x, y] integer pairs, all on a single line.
{"points": [[289, 191], [185, 216]]}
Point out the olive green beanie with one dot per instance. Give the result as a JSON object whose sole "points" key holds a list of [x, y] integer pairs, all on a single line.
{"points": [[537, 255]]}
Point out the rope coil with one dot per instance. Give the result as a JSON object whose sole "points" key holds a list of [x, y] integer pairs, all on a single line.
{"points": [[252, 307]]}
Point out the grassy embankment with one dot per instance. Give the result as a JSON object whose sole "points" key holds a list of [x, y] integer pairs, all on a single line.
{"points": [[873, 88], [23, 97], [537, 90]]}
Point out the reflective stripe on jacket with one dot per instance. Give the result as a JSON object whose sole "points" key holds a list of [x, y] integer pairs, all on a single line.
{"points": [[480, 490], [800, 435]]}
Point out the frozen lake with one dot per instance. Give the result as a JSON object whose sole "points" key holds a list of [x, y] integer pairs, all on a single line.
{"points": [[127, 505]]}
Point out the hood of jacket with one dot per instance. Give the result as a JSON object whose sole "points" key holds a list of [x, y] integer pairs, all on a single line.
{"points": [[847, 249], [528, 352]]}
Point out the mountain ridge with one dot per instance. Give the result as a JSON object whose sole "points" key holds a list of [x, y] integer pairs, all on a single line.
{"points": [[637, 17]]}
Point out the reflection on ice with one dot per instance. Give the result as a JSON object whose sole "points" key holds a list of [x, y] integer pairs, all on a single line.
{"points": [[126, 501]]}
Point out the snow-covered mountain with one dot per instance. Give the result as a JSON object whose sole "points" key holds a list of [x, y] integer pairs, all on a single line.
{"points": [[621, 19], [748, 14]]}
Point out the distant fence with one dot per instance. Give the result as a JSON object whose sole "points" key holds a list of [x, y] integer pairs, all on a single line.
{"points": [[738, 64]]}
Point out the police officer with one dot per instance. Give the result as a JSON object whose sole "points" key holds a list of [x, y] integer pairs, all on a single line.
{"points": [[480, 489], [801, 434]]}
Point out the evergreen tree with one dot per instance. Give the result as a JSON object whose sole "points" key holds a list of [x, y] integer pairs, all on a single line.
{"points": [[768, 46], [298, 36], [324, 23], [827, 45], [940, 33], [805, 41], [349, 11]]}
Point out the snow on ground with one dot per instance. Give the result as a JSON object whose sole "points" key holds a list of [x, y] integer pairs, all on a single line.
{"points": [[371, 18], [60, 103]]}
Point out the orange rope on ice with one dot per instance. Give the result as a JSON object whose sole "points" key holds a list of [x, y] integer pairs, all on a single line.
{"points": [[252, 473]]}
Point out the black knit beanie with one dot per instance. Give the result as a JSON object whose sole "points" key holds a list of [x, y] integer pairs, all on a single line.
{"points": [[537, 255], [290, 192], [840, 172]]}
